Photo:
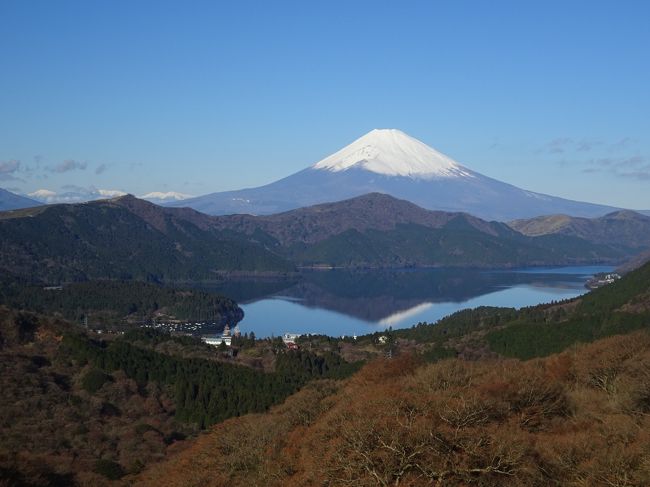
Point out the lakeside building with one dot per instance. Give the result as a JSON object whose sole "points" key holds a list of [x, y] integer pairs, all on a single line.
{"points": [[225, 337], [600, 280], [290, 337], [289, 340]]}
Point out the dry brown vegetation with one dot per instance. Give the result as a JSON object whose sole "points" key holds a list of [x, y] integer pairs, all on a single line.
{"points": [[579, 418], [55, 425]]}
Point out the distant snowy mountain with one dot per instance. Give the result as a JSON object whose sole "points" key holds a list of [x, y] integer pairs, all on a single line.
{"points": [[12, 201], [79, 194], [160, 197], [391, 162], [74, 194]]}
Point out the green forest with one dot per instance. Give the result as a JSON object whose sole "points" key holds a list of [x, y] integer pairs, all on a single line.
{"points": [[205, 391], [617, 308], [105, 302]]}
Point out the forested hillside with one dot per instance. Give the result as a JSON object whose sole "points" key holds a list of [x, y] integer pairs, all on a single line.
{"points": [[123, 238], [378, 230], [79, 409], [88, 409], [130, 239], [617, 308], [574, 418], [120, 302], [578, 418]]}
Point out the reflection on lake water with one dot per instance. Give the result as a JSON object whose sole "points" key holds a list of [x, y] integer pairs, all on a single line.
{"points": [[339, 302]]}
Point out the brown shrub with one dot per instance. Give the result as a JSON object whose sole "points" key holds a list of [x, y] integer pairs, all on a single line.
{"points": [[564, 420]]}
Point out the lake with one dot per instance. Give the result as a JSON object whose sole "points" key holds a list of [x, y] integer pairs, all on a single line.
{"points": [[343, 302]]}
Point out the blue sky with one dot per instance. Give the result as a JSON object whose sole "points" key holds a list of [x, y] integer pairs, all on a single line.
{"points": [[197, 97]]}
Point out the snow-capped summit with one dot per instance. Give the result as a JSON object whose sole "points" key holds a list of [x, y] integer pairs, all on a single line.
{"points": [[391, 162], [42, 194], [393, 153], [164, 196]]}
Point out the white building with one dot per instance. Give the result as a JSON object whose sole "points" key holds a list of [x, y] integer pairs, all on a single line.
{"points": [[290, 337], [217, 340]]}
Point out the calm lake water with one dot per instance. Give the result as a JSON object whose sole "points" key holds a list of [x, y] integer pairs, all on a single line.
{"points": [[338, 302]]}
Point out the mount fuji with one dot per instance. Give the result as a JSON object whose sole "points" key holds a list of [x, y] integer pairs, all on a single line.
{"points": [[391, 162]]}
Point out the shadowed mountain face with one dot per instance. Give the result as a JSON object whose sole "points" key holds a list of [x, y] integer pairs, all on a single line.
{"points": [[391, 162], [377, 230], [11, 201], [373, 211], [626, 227], [124, 238], [128, 238]]}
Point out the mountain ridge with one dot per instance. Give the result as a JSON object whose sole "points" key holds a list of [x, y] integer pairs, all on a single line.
{"points": [[129, 238], [378, 230], [627, 227], [370, 211], [122, 238]]}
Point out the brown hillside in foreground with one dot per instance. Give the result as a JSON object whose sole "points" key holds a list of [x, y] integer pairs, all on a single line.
{"points": [[579, 418]]}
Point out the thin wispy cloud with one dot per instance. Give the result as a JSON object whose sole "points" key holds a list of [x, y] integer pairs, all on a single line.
{"points": [[586, 145], [101, 169], [568, 145], [69, 165], [634, 161], [642, 174], [9, 167], [613, 160], [624, 143], [8, 170], [619, 162], [633, 167], [558, 145]]}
